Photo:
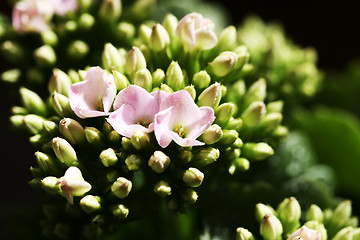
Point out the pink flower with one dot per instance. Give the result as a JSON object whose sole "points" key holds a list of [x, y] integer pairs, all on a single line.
{"points": [[73, 184], [196, 31], [305, 233], [32, 15], [94, 96], [61, 7], [135, 110], [181, 120]]}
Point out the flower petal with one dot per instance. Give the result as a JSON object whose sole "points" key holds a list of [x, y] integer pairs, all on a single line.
{"points": [[185, 142], [205, 121], [161, 127]]}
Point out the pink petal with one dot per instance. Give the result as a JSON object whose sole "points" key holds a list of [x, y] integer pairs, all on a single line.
{"points": [[205, 38], [203, 123], [161, 127], [185, 142]]}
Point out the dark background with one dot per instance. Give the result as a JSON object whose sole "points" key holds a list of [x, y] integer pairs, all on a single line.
{"points": [[334, 33]]}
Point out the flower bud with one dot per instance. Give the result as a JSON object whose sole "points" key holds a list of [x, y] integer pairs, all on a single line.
{"points": [[170, 23], [108, 157], [340, 216], [166, 88], [11, 76], [59, 82], [211, 96], [47, 163], [17, 121], [224, 112], [50, 127], [133, 162], [158, 77], [121, 80], [212, 134], [143, 79], [229, 137], [227, 38], [305, 234], [318, 227], [289, 213], [315, 214], [344, 234], [162, 189], [114, 138], [235, 124], [77, 49], [110, 10], [145, 33], [90, 204], [72, 130], [261, 210], [13, 51], [120, 212], [257, 151], [253, 114], [125, 31], [64, 151], [33, 123], [174, 76], [239, 164], [243, 234], [223, 63], [61, 104], [191, 90], [94, 137], [193, 177], [49, 184], [275, 107], [111, 58], [45, 56], [256, 92], [189, 195], [206, 156], [201, 79], [86, 21], [185, 156], [140, 139], [159, 38], [135, 61], [269, 122], [121, 187], [32, 102], [159, 162], [271, 228]]}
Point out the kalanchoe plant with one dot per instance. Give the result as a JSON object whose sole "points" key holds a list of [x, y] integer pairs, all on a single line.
{"points": [[153, 122], [288, 221]]}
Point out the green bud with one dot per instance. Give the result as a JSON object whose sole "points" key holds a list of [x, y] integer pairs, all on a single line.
{"points": [[145, 33], [162, 189], [271, 228], [86, 21], [256, 92], [108, 157], [340, 216], [17, 121], [120, 212], [64, 151], [237, 91], [47, 163], [229, 137], [158, 77], [243, 57], [125, 31], [126, 144], [269, 122], [289, 213], [50, 127], [253, 114], [206, 156], [61, 104], [32, 102], [201, 79], [166, 88], [45, 56], [261, 210], [239, 164], [37, 140], [110, 10], [72, 130], [77, 49], [50, 185], [159, 162], [315, 214], [121, 80], [224, 112], [94, 136], [159, 38], [344, 234], [135, 61], [12, 51], [238, 143], [193, 177], [185, 156], [11, 76], [33, 123], [174, 76], [59, 82], [257, 151], [317, 226], [170, 23], [212, 134], [121, 187], [49, 37], [35, 75], [133, 162], [114, 137], [111, 58], [211, 96], [16, 110], [90, 204], [143, 79], [227, 38], [140, 139], [189, 195], [275, 107], [223, 63], [243, 234], [235, 124]]}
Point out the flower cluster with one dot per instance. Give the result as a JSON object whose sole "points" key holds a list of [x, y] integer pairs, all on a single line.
{"points": [[284, 222]]}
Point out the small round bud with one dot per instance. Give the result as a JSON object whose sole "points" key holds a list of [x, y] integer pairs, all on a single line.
{"points": [[64, 151], [162, 189], [72, 130], [133, 162], [108, 157], [120, 211], [159, 162], [193, 177], [270, 228], [174, 76], [211, 96], [90, 203], [243, 234], [212, 134], [121, 187]]}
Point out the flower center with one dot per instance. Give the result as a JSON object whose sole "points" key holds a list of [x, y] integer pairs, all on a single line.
{"points": [[143, 122], [180, 130]]}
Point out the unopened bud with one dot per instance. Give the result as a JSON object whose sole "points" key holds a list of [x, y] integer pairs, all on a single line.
{"points": [[166, 88], [275, 107], [253, 114], [49, 184], [227, 38], [271, 228], [72, 130], [64, 151], [158, 77], [193, 177], [257, 151], [229, 137], [211, 96], [47, 163], [223, 63], [261, 210], [143, 79], [170, 23], [120, 211], [61, 104], [125, 31], [224, 112], [11, 76], [33, 123], [159, 38], [13, 51], [191, 90], [59, 82], [315, 214], [201, 79], [32, 102], [90, 203], [318, 227], [45, 56], [189, 195], [212, 134], [239, 164], [256, 92], [110, 10], [49, 37], [121, 187], [86, 21], [77, 49], [133, 162], [50, 127], [140, 139], [121, 80], [108, 157], [243, 234], [159, 162], [289, 212], [174, 76], [94, 136], [114, 138], [111, 58], [162, 189], [344, 234], [135, 61], [206, 156]]}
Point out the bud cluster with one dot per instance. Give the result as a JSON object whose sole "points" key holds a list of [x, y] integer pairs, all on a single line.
{"points": [[286, 222]]}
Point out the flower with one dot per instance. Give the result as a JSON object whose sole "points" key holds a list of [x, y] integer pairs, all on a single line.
{"points": [[61, 7], [196, 31], [135, 109], [73, 184], [181, 120], [32, 15], [305, 233], [94, 96]]}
